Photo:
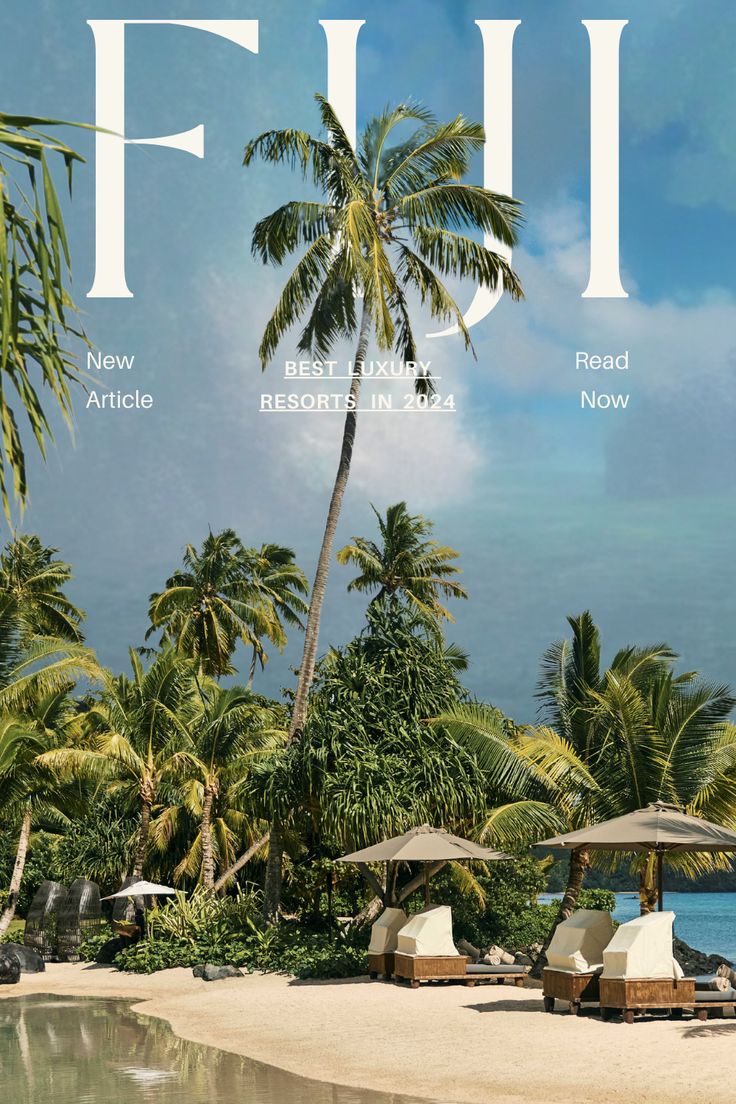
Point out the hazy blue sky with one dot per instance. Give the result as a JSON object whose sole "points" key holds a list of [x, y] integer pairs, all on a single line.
{"points": [[553, 509]]}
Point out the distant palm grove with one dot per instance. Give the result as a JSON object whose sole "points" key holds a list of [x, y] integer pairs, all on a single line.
{"points": [[175, 768]]}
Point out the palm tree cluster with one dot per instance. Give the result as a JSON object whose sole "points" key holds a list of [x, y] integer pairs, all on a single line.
{"points": [[166, 743], [611, 740], [207, 774], [41, 660], [197, 770]]}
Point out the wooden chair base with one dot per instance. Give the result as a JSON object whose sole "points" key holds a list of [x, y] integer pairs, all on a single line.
{"points": [[576, 989], [417, 968], [381, 965], [633, 995]]}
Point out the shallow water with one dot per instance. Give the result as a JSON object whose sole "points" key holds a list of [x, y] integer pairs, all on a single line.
{"points": [[61, 1051]]}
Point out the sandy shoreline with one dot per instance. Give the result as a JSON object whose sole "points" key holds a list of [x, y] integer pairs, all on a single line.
{"points": [[447, 1043]]}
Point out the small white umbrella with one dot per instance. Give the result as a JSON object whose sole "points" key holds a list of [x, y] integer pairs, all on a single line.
{"points": [[142, 889]]}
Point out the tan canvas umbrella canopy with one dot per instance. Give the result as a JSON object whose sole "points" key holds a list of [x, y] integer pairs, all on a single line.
{"points": [[424, 844], [659, 828]]}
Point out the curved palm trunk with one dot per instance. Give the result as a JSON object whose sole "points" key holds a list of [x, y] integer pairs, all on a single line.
{"points": [[205, 829], [272, 895], [311, 633], [240, 863], [579, 863], [142, 845], [21, 854]]}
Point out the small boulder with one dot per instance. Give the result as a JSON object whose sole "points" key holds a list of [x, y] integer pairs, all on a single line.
{"points": [[9, 968], [30, 960], [217, 973]]}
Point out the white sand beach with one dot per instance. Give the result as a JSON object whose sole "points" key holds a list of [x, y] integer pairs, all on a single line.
{"points": [[447, 1043]]}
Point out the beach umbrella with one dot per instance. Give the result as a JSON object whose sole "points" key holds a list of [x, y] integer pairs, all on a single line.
{"points": [[659, 828], [426, 845], [143, 889]]}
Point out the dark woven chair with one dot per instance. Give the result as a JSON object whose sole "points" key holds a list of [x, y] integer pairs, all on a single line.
{"points": [[42, 919], [79, 918]]}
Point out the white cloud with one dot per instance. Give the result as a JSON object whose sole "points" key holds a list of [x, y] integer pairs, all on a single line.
{"points": [[426, 457], [671, 342]]}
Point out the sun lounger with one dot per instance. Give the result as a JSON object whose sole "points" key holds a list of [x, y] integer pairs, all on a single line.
{"points": [[713, 992], [482, 972], [384, 934], [575, 959], [425, 950], [640, 974]]}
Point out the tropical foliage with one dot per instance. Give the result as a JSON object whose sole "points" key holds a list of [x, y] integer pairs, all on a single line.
{"points": [[37, 314], [37, 673], [612, 741], [166, 773]]}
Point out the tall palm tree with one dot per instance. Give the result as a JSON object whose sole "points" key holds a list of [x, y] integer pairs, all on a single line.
{"points": [[37, 713], [390, 224], [36, 307], [394, 218], [228, 593], [230, 730], [668, 740], [31, 581], [136, 728], [568, 758], [406, 563], [19, 746], [575, 727]]}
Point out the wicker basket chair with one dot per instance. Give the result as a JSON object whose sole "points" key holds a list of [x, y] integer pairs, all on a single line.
{"points": [[42, 919], [79, 918]]}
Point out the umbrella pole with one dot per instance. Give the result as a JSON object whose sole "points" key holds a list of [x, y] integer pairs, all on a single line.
{"points": [[426, 886], [660, 895]]}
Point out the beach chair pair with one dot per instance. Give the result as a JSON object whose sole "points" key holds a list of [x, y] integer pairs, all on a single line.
{"points": [[626, 972], [422, 949]]}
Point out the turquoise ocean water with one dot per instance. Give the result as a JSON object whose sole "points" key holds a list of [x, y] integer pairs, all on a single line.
{"points": [[706, 921]]}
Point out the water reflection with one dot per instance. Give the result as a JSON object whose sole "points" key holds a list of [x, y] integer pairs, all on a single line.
{"points": [[101, 1052]]}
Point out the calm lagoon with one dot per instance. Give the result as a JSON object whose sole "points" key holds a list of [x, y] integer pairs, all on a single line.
{"points": [[84, 1051]]}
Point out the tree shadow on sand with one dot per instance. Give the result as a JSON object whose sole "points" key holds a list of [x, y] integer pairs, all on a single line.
{"points": [[506, 1006], [712, 1029]]}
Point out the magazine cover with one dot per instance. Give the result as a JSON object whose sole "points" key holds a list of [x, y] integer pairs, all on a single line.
{"points": [[366, 491]]}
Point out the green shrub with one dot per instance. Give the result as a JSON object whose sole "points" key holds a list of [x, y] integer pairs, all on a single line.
{"points": [[292, 949], [202, 915], [604, 899], [40, 864], [89, 948], [511, 917], [288, 948]]}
